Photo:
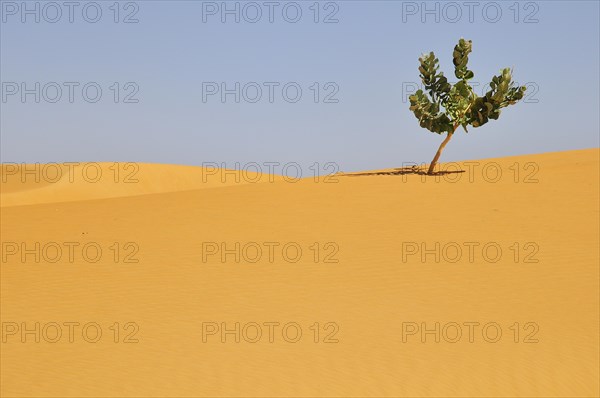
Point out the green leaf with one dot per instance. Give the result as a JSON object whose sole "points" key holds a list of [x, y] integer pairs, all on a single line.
{"points": [[441, 106]]}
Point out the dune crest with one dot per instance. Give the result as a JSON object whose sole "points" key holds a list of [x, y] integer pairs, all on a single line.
{"points": [[28, 184]]}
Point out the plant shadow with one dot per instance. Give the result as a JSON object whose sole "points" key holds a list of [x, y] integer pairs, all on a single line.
{"points": [[403, 171]]}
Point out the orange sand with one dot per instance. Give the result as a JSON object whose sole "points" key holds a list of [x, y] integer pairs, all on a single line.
{"points": [[374, 295]]}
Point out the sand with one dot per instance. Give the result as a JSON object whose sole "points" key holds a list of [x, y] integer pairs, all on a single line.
{"points": [[361, 281]]}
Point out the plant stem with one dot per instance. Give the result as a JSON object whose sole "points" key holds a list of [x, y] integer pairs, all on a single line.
{"points": [[439, 151]]}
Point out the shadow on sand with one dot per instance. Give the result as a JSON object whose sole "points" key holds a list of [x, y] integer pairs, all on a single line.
{"points": [[402, 171]]}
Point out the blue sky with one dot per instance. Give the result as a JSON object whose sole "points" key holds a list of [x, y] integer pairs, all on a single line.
{"points": [[158, 78]]}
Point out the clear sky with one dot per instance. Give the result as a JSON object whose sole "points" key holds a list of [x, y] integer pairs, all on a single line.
{"points": [[162, 76]]}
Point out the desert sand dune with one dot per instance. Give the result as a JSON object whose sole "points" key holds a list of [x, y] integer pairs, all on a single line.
{"points": [[369, 284], [37, 184]]}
